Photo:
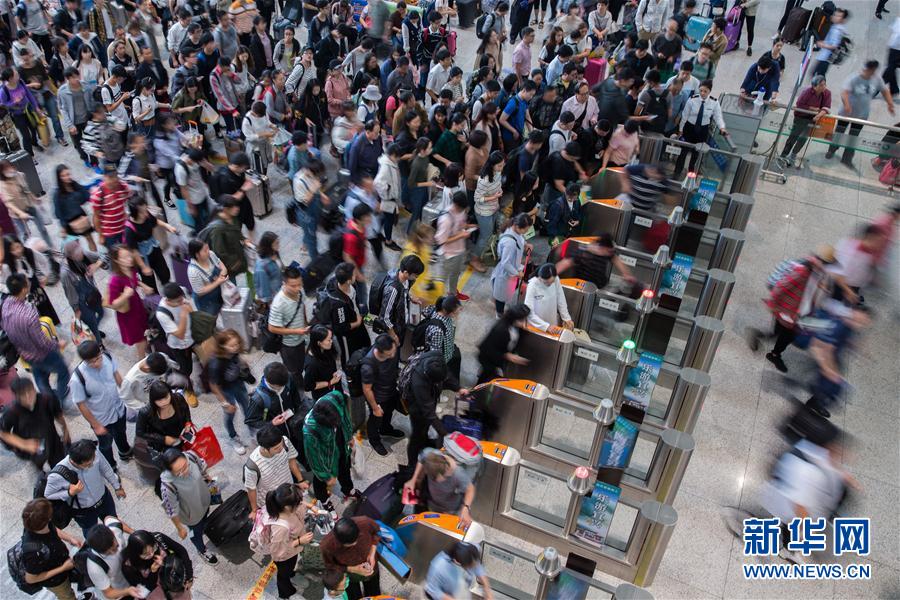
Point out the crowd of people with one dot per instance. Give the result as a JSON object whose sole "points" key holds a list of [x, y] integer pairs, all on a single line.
{"points": [[183, 109]]}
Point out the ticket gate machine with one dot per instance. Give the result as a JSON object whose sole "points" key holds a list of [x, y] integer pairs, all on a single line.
{"points": [[431, 533]]}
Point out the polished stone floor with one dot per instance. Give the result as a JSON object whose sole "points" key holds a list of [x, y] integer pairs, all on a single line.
{"points": [[736, 435]]}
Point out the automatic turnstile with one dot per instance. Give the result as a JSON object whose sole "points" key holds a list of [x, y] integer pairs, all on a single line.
{"points": [[430, 533]]}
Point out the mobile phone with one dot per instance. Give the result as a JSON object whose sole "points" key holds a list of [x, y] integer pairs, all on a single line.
{"points": [[188, 436], [144, 592], [287, 414]]}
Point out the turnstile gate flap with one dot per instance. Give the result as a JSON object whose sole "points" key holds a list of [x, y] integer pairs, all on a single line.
{"points": [[523, 387], [559, 334], [579, 285]]}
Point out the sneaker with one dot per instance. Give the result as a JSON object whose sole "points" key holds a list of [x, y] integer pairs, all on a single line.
{"points": [[776, 360], [126, 456], [191, 398], [354, 494], [210, 558], [462, 297], [783, 161], [238, 446], [328, 506], [62, 143], [392, 432], [379, 448], [392, 245]]}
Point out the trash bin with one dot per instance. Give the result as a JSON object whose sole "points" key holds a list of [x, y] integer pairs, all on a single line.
{"points": [[465, 12]]}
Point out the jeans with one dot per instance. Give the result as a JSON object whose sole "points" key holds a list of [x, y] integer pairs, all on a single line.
{"points": [[114, 432], [486, 227], [22, 230], [286, 589], [307, 220], [88, 517], [235, 394], [42, 369], [50, 106], [91, 317], [197, 533], [418, 198], [375, 425]]}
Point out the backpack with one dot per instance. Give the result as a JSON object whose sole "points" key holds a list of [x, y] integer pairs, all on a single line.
{"points": [[97, 93], [354, 371], [545, 168], [376, 292], [466, 452], [420, 333], [510, 173], [260, 537], [404, 380], [79, 575], [62, 509], [16, 566], [9, 354], [781, 269], [479, 24], [889, 176], [206, 232]]}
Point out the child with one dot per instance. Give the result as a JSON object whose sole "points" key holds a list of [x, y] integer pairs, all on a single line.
{"points": [[335, 584]]}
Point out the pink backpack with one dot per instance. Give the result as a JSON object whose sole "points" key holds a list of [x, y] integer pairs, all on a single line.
{"points": [[890, 173]]}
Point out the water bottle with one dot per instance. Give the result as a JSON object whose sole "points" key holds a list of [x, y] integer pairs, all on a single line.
{"points": [[759, 101]]}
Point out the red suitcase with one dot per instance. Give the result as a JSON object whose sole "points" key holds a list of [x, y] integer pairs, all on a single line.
{"points": [[595, 72]]}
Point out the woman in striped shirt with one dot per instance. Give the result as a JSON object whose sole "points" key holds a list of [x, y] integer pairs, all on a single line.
{"points": [[488, 191]]}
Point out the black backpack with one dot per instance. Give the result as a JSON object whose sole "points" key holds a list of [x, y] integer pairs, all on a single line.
{"points": [[62, 510], [479, 24], [16, 565], [79, 575], [420, 334], [376, 292], [354, 371]]}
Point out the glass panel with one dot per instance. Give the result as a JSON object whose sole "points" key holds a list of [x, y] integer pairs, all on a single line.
{"points": [[509, 573], [621, 527], [612, 319], [642, 456], [591, 372], [643, 272], [572, 585], [568, 429], [541, 496], [662, 395]]}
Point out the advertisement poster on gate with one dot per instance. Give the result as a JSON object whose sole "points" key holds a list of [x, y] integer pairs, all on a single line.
{"points": [[675, 279], [704, 195], [642, 379], [597, 512], [618, 444]]}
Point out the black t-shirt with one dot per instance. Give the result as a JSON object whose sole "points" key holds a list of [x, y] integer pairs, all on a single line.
{"points": [[380, 374], [562, 168], [36, 424], [318, 369], [48, 553], [589, 266], [224, 371], [225, 181], [141, 232]]}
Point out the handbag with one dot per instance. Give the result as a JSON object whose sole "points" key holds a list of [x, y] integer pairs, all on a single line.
{"points": [[208, 114], [271, 342], [205, 445], [231, 294]]}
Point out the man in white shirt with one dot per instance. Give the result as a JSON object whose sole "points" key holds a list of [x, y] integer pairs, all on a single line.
{"points": [[136, 383], [104, 560], [174, 316], [272, 463], [439, 73], [177, 35], [114, 98], [562, 133], [685, 74]]}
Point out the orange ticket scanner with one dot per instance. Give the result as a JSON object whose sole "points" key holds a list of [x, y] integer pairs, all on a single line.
{"points": [[428, 533]]}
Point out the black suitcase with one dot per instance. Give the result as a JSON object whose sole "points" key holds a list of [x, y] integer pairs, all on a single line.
{"points": [[24, 163], [796, 24], [229, 519], [380, 501]]}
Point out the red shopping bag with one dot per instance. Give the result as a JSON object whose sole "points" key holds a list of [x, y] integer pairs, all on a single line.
{"points": [[206, 446]]}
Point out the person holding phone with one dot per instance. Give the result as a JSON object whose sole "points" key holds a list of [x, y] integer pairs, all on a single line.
{"points": [[321, 374], [165, 418]]}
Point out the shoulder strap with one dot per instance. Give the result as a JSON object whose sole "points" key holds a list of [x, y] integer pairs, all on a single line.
{"points": [[165, 311]]}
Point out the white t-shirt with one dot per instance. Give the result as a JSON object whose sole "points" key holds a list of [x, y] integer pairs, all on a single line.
{"points": [[110, 93], [273, 471], [112, 578], [170, 324]]}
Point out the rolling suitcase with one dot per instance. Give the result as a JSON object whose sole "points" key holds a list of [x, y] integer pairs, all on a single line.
{"points": [[24, 163], [733, 26], [694, 31], [380, 501], [795, 26], [259, 196], [595, 72], [238, 317], [229, 519]]}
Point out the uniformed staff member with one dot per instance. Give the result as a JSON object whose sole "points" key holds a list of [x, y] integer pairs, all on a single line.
{"points": [[699, 111]]}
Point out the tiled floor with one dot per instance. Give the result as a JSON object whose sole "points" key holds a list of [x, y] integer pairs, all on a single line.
{"points": [[736, 435]]}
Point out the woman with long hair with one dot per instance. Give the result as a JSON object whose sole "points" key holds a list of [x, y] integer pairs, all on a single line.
{"points": [[242, 65], [287, 511], [188, 102], [148, 256], [143, 557], [21, 202], [123, 298], [479, 79], [121, 57], [551, 46], [144, 106], [488, 121], [228, 378], [68, 199], [488, 192], [452, 181], [267, 272], [19, 259], [90, 69], [509, 270], [490, 46], [164, 419], [438, 123], [81, 288], [320, 372], [372, 69], [314, 110], [526, 196], [327, 433]]}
